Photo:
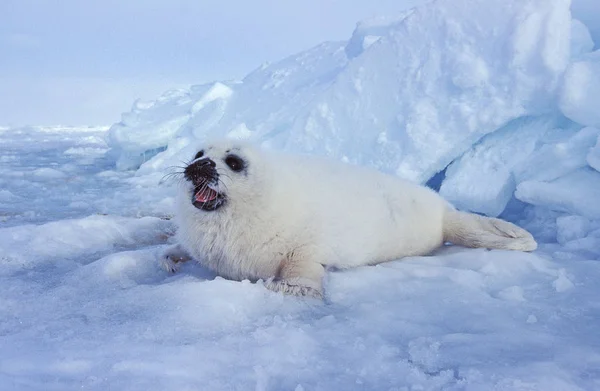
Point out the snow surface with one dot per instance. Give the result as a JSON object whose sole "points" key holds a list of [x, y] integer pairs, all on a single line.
{"points": [[582, 85], [492, 102], [84, 304]]}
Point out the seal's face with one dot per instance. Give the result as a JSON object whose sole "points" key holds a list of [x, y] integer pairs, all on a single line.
{"points": [[205, 172]]}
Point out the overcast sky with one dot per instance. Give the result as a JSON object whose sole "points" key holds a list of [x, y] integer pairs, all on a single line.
{"points": [[84, 62]]}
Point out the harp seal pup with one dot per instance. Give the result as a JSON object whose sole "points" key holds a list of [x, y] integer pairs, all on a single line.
{"points": [[252, 214]]}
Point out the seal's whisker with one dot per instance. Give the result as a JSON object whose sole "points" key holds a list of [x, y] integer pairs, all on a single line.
{"points": [[222, 172], [182, 167], [171, 175], [223, 183], [175, 173]]}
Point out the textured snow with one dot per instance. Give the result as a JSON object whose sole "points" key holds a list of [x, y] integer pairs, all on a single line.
{"points": [[571, 228], [562, 152], [447, 92], [588, 11], [581, 90], [483, 179], [493, 99], [84, 303], [438, 78], [576, 192], [593, 157], [581, 40]]}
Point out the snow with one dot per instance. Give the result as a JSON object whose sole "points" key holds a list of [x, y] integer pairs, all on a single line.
{"points": [[581, 89], [494, 161], [563, 151], [432, 69], [588, 11], [581, 40], [574, 193], [492, 102], [571, 228], [593, 157]]}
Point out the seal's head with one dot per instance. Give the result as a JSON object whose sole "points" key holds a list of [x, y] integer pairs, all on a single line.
{"points": [[217, 172]]}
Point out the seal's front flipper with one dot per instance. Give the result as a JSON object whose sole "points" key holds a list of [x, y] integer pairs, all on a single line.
{"points": [[298, 278], [295, 288], [172, 257]]}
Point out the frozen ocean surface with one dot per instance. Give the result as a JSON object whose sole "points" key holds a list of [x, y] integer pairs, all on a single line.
{"points": [[492, 102], [84, 304]]}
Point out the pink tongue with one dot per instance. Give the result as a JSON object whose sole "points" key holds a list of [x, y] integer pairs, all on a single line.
{"points": [[206, 195]]}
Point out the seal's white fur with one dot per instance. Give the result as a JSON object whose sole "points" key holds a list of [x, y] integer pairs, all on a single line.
{"points": [[287, 216]]}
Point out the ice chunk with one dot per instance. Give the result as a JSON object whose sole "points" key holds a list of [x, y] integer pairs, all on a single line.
{"points": [[481, 180], [48, 173], [562, 282], [581, 40], [262, 106], [369, 31], [75, 237], [438, 78], [512, 293], [575, 193], [564, 152], [580, 93], [146, 130], [593, 157], [436, 83], [571, 228], [588, 11], [6, 196]]}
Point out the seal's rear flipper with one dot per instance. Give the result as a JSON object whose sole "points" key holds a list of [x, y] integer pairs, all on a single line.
{"points": [[471, 230]]}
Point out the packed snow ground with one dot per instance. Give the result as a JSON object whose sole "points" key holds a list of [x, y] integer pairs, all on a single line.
{"points": [[493, 102], [84, 304]]}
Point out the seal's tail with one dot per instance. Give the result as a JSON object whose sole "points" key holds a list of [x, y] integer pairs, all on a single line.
{"points": [[471, 230]]}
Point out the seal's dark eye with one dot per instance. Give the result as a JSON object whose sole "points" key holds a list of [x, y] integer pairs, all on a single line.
{"points": [[235, 163], [199, 154]]}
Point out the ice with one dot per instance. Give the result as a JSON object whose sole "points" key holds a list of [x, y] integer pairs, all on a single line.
{"points": [[84, 303], [58, 184], [573, 193], [562, 152], [437, 79], [588, 11], [262, 105], [482, 179], [581, 40], [6, 196], [48, 173], [571, 227], [512, 293], [369, 31], [467, 90], [430, 89], [562, 283], [581, 90], [593, 157], [69, 238], [586, 248]]}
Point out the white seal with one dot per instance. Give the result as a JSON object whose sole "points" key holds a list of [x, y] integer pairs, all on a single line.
{"points": [[251, 214]]}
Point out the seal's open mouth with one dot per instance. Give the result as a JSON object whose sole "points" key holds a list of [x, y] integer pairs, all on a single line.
{"points": [[205, 194], [205, 179], [207, 197]]}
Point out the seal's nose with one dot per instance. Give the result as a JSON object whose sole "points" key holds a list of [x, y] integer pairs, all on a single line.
{"points": [[199, 170], [206, 162]]}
